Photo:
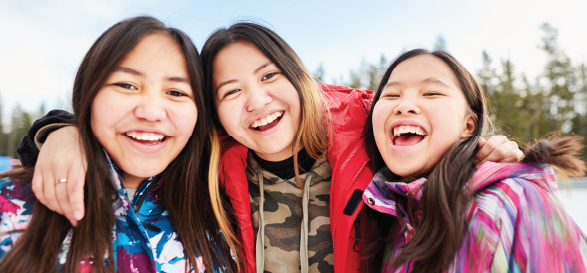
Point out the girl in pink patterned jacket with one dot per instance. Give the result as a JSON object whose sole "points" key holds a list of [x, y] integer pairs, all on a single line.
{"points": [[434, 210]]}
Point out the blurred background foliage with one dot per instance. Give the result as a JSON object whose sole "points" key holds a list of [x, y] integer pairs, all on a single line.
{"points": [[523, 109]]}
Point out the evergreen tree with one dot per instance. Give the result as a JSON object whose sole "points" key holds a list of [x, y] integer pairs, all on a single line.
{"points": [[560, 77], [440, 43]]}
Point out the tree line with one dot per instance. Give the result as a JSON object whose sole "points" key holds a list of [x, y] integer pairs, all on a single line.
{"points": [[523, 109], [12, 133]]}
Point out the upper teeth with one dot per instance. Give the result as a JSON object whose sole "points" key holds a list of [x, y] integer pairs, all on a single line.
{"points": [[407, 129], [145, 136], [266, 120]]}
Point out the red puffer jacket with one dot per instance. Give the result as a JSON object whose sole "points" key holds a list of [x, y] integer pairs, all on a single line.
{"points": [[351, 174]]}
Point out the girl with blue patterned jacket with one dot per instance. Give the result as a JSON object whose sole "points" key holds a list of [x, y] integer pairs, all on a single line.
{"points": [[138, 101]]}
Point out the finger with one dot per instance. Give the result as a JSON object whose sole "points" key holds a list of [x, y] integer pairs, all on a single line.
{"points": [[488, 147], [481, 142], [76, 190], [514, 155], [37, 187], [520, 154], [61, 191], [504, 153], [49, 189], [63, 199]]}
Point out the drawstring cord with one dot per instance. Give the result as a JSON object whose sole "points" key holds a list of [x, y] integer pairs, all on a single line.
{"points": [[260, 249], [304, 236], [261, 234]]}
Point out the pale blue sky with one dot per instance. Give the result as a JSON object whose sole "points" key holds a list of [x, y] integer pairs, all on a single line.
{"points": [[42, 42]]}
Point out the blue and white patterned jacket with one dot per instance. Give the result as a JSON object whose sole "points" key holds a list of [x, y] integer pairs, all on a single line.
{"points": [[144, 237]]}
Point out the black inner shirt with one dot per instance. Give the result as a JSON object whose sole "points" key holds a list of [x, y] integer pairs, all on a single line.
{"points": [[285, 168]]}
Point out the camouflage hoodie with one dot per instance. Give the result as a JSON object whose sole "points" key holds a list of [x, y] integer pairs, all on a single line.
{"points": [[280, 222]]}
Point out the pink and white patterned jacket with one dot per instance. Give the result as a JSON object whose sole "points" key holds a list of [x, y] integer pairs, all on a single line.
{"points": [[515, 222]]}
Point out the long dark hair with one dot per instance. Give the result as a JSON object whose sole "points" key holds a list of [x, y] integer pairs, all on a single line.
{"points": [[311, 132], [439, 234], [184, 189]]}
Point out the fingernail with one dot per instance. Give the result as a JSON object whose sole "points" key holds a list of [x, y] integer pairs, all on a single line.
{"points": [[73, 222], [77, 215], [49, 207]]}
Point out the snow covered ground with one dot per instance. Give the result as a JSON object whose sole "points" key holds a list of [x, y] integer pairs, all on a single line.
{"points": [[575, 201]]}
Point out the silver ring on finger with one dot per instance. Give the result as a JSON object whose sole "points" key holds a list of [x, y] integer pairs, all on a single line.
{"points": [[62, 180]]}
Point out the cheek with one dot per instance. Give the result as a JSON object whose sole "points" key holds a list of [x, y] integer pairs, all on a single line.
{"points": [[106, 111], [380, 115], [447, 120], [296, 109], [185, 118], [229, 119]]}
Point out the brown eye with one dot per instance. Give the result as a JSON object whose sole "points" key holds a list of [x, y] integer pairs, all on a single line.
{"points": [[126, 86], [231, 92], [176, 93], [268, 76]]}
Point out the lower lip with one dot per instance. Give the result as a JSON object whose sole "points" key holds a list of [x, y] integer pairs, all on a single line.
{"points": [[153, 148], [269, 131]]}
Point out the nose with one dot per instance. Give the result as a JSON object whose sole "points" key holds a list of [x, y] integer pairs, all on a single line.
{"points": [[150, 107], [407, 106], [258, 99]]}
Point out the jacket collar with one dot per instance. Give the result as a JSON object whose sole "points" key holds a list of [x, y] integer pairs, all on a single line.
{"points": [[117, 177], [382, 193], [384, 190]]}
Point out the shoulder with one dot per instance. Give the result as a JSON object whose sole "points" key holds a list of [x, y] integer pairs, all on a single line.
{"points": [[514, 187], [517, 209], [344, 98], [347, 110], [233, 159]]}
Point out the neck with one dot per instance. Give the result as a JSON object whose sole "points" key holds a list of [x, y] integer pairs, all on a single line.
{"points": [[132, 182]]}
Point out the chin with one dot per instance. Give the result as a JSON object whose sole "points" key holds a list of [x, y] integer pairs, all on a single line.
{"points": [[145, 170]]}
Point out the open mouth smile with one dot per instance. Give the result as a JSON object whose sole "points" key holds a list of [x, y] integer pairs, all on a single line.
{"points": [[407, 135], [267, 122], [145, 138]]}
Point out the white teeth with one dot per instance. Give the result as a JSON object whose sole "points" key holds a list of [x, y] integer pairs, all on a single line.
{"points": [[266, 120], [145, 136], [407, 129]]}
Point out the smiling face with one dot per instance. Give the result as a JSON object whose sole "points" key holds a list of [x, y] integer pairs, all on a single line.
{"points": [[420, 114], [256, 103], [144, 114]]}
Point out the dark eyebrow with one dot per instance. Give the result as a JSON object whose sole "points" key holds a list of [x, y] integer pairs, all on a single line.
{"points": [[178, 79], [434, 80], [391, 83], [140, 74], [129, 70], [225, 83], [261, 67], [233, 81]]}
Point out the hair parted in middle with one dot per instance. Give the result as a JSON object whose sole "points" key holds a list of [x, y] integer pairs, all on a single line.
{"points": [[311, 133], [184, 187], [440, 231]]}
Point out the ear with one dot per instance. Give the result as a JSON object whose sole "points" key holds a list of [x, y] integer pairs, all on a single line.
{"points": [[469, 128]]}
